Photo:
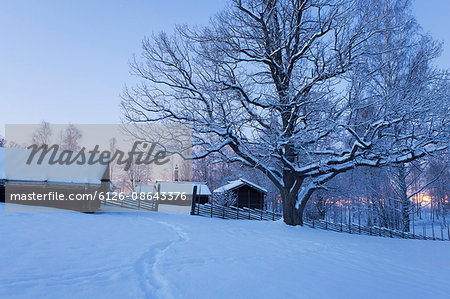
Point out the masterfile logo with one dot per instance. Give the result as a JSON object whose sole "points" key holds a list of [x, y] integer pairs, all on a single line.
{"points": [[94, 156]]}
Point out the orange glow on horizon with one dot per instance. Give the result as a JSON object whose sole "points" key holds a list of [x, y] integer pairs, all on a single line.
{"points": [[426, 199]]}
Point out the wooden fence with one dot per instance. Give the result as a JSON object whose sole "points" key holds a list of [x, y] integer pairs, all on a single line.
{"points": [[134, 204], [369, 230], [219, 211], [231, 212]]}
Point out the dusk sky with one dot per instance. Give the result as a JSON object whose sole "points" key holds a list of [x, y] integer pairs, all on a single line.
{"points": [[67, 61]]}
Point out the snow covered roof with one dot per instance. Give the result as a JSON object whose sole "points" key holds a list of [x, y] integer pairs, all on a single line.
{"points": [[238, 183], [18, 170], [186, 187]]}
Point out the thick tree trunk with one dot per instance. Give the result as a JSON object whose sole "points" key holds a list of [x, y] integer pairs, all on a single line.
{"points": [[292, 215]]}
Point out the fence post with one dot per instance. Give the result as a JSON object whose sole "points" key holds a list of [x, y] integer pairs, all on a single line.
{"points": [[212, 202], [194, 195], [432, 229], [359, 220], [273, 217], [156, 206], [248, 200], [350, 219], [262, 206]]}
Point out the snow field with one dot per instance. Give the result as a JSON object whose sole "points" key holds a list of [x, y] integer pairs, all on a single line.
{"points": [[175, 255]]}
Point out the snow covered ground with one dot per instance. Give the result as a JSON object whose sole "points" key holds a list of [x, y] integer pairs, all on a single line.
{"points": [[174, 255]]}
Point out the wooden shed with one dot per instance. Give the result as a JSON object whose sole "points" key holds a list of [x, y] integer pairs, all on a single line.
{"points": [[248, 194]]}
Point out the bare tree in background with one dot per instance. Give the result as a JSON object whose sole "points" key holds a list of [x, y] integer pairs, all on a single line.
{"points": [[136, 175], [70, 138], [2, 141], [405, 83], [439, 189], [212, 170], [289, 88], [43, 134]]}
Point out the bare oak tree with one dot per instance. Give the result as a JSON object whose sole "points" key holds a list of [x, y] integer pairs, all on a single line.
{"points": [[287, 87]]}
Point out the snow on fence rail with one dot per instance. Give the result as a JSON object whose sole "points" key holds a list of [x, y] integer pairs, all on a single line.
{"points": [[134, 204], [219, 211], [369, 230]]}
